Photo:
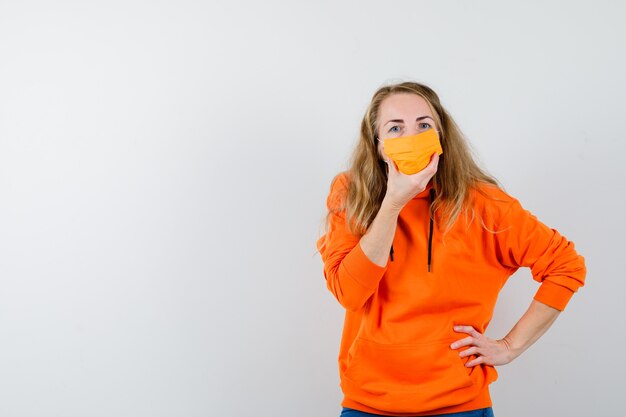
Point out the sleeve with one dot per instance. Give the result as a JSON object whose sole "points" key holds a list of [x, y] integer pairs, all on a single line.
{"points": [[350, 275], [526, 242]]}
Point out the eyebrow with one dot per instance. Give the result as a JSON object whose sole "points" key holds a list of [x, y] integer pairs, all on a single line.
{"points": [[402, 121]]}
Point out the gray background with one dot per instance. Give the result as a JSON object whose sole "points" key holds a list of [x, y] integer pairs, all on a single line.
{"points": [[163, 174]]}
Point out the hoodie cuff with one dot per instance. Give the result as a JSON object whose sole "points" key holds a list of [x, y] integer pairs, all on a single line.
{"points": [[362, 269], [553, 295]]}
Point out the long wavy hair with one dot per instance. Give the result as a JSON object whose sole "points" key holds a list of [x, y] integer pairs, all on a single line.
{"points": [[457, 172]]}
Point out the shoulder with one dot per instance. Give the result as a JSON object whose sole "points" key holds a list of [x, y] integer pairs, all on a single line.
{"points": [[338, 190], [491, 200], [341, 180], [491, 194], [340, 183]]}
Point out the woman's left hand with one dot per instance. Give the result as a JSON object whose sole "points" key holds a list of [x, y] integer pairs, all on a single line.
{"points": [[489, 351]]}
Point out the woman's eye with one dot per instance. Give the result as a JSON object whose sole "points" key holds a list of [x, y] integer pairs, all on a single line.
{"points": [[394, 127], [424, 126]]}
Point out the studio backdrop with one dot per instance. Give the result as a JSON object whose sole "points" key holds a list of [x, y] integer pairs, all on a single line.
{"points": [[164, 168]]}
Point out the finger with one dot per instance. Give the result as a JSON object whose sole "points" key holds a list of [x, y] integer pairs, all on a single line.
{"points": [[467, 329], [467, 352], [475, 362], [434, 162], [429, 170], [463, 342], [434, 159], [393, 169]]}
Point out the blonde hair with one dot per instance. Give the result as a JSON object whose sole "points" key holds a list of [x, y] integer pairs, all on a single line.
{"points": [[457, 172]]}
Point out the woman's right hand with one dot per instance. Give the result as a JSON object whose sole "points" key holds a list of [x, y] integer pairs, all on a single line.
{"points": [[401, 188]]}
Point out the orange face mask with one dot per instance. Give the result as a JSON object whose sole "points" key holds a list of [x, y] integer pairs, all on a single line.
{"points": [[412, 153]]}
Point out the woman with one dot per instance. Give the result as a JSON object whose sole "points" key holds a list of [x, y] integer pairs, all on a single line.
{"points": [[418, 259]]}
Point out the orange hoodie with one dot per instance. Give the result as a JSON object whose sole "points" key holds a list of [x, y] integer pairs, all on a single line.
{"points": [[395, 357]]}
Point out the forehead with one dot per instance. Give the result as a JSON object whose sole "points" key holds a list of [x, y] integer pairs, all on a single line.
{"points": [[403, 106]]}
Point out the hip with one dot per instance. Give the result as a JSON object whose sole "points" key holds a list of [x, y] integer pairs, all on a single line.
{"points": [[482, 412]]}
